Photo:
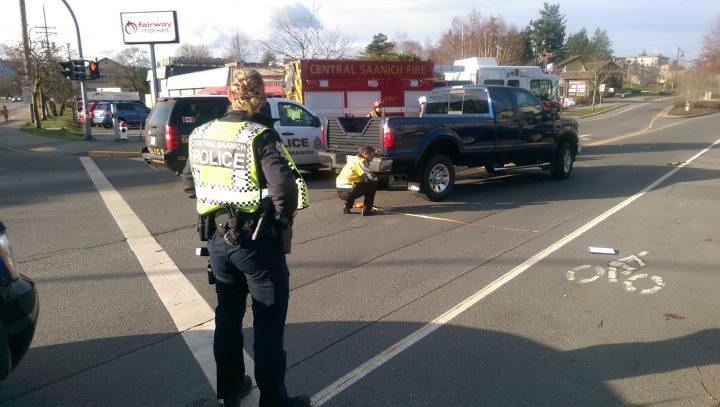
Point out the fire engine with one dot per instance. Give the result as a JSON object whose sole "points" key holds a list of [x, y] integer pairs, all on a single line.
{"points": [[336, 88]]}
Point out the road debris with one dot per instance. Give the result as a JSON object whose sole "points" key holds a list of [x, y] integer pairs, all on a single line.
{"points": [[603, 250]]}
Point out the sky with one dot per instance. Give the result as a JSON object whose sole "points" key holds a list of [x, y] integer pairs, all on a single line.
{"points": [[633, 26]]}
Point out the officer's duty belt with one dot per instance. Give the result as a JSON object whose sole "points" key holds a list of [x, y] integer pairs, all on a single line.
{"points": [[246, 221]]}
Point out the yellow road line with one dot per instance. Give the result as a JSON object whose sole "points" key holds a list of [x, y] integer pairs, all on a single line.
{"points": [[114, 154], [457, 221], [646, 130]]}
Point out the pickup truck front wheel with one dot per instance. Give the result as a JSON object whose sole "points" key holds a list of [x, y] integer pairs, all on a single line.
{"points": [[438, 178], [563, 162]]}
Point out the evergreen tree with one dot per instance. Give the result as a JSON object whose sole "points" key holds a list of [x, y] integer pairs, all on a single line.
{"points": [[548, 32], [267, 58], [379, 47], [601, 45], [527, 43], [578, 44]]}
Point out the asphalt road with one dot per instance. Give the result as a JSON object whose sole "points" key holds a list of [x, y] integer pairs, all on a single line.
{"points": [[491, 297]]}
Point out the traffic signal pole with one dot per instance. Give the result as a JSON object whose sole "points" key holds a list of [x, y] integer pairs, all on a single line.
{"points": [[88, 129]]}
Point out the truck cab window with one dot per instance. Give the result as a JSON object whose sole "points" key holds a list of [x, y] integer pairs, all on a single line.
{"points": [[475, 102], [514, 83], [502, 105], [455, 102], [528, 106], [437, 103], [494, 82]]}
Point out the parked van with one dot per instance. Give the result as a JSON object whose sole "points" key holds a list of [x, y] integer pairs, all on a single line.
{"points": [[173, 119]]}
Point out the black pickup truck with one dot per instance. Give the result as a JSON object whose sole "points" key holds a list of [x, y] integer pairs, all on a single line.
{"points": [[471, 125]]}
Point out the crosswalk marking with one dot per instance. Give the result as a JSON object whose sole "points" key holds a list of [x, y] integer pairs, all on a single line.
{"points": [[193, 317]]}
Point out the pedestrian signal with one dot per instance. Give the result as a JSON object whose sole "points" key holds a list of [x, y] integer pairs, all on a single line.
{"points": [[94, 70]]}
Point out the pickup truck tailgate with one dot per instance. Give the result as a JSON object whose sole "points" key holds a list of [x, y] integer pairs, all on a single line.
{"points": [[347, 134]]}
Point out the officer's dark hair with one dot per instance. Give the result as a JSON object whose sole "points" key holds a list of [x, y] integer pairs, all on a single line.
{"points": [[365, 149]]}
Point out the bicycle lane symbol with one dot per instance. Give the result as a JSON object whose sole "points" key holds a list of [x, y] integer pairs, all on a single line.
{"points": [[625, 266]]}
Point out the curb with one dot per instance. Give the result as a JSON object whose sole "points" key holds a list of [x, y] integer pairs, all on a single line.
{"points": [[114, 154], [688, 116]]}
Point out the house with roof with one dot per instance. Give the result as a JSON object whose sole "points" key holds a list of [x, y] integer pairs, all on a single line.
{"points": [[579, 76]]}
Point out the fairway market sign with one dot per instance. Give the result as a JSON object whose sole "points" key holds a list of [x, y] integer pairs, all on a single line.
{"points": [[155, 27]]}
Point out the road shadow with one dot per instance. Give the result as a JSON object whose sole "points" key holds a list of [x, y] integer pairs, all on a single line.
{"points": [[453, 366], [483, 192]]}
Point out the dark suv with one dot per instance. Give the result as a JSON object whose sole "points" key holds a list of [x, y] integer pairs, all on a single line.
{"points": [[133, 113], [170, 123]]}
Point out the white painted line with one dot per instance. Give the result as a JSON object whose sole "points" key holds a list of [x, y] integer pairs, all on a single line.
{"points": [[193, 317], [612, 275], [629, 287], [366, 368], [599, 272]]}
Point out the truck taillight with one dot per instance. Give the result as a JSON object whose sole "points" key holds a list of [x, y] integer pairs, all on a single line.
{"points": [[388, 137], [172, 138], [322, 134]]}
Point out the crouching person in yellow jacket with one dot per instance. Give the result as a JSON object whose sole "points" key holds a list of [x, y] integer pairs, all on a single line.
{"points": [[356, 180]]}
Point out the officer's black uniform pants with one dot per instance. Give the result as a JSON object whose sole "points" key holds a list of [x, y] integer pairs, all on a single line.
{"points": [[366, 189], [260, 269]]}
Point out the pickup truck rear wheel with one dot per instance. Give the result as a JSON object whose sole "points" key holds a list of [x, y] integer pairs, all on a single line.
{"points": [[563, 161], [438, 178]]}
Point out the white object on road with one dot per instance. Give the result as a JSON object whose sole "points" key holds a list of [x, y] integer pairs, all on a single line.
{"points": [[603, 250]]}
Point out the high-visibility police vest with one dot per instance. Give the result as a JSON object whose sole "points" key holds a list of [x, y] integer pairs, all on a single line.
{"points": [[224, 168]]}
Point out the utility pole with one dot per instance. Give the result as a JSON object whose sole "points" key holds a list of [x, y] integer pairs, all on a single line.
{"points": [[47, 31], [26, 52]]}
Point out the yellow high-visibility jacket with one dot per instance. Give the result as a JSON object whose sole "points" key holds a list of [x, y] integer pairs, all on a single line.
{"points": [[224, 167], [353, 172]]}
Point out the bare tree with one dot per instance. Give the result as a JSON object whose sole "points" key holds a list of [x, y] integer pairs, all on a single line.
{"points": [[473, 35], [697, 84], [602, 72], [49, 88], [187, 50], [302, 35], [134, 65], [239, 49], [406, 46], [710, 55]]}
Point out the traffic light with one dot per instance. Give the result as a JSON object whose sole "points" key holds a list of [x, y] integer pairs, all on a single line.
{"points": [[78, 72], [67, 69], [94, 70]]}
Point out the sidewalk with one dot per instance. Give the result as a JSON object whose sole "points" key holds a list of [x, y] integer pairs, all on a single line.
{"points": [[12, 139]]}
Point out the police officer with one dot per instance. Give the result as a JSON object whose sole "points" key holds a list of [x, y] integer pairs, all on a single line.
{"points": [[248, 188], [377, 110]]}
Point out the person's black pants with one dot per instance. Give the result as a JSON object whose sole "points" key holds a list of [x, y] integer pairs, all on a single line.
{"points": [[260, 269], [366, 189]]}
